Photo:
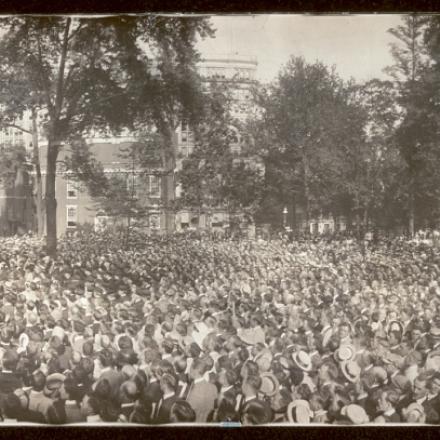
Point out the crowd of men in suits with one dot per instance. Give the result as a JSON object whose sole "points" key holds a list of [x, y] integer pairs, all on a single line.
{"points": [[185, 330]]}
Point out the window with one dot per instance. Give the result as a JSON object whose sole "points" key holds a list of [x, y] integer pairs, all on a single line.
{"points": [[186, 139], [72, 190], [154, 220], [72, 216], [133, 184], [154, 186]]}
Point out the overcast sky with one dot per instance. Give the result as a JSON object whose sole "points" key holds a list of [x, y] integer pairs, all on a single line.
{"points": [[358, 45]]}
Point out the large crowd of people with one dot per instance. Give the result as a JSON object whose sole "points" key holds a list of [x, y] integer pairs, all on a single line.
{"points": [[201, 330]]}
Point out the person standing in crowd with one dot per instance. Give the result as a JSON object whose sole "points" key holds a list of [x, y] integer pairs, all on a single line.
{"points": [[202, 394]]}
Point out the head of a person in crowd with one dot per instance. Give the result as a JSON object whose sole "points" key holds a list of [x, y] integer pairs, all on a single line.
{"points": [[249, 368], [38, 380], [226, 411], [354, 414], [23, 397], [182, 412], [256, 413], [181, 329], [70, 390], [168, 383], [197, 369], [233, 343], [102, 389], [167, 346], [394, 338], [420, 389], [301, 392], [106, 358], [12, 408], [386, 399], [53, 385], [129, 392], [193, 350], [227, 377], [414, 413], [344, 330], [109, 410], [251, 385], [10, 360], [434, 384]]}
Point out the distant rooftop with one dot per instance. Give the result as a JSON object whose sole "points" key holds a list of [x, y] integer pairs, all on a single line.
{"points": [[231, 57]]}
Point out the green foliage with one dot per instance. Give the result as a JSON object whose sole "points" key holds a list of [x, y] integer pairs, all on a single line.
{"points": [[12, 158], [214, 174], [95, 74]]}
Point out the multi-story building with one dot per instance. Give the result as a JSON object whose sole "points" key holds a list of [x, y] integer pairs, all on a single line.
{"points": [[76, 207], [16, 200], [237, 73]]}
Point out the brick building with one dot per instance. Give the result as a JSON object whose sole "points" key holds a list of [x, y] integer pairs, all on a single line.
{"points": [[74, 205]]}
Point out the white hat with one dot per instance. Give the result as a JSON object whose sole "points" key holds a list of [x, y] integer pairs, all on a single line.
{"points": [[351, 370], [299, 411], [302, 360], [58, 331], [344, 353], [355, 413]]}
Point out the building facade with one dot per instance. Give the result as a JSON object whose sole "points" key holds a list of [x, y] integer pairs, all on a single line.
{"points": [[238, 74], [75, 207]]}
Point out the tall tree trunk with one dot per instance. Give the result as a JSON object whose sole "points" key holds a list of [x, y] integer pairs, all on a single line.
{"points": [[411, 213], [306, 191], [50, 197], [168, 183], [365, 219], [294, 223], [38, 179]]}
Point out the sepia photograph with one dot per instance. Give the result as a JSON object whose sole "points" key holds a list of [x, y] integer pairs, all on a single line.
{"points": [[222, 220]]}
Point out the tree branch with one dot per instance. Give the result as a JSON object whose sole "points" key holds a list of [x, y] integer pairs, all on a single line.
{"points": [[50, 107], [3, 125], [59, 97]]}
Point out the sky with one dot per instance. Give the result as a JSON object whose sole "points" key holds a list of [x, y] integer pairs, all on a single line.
{"points": [[358, 45]]}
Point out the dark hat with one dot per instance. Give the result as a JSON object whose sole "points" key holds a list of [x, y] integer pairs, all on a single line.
{"points": [[79, 326]]}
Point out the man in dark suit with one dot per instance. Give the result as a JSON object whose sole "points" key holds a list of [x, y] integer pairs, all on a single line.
{"points": [[115, 378], [227, 379], [432, 402], [250, 388], [153, 392], [9, 381], [168, 386]]}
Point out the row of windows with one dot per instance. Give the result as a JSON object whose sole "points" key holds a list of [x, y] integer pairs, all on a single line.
{"points": [[138, 184], [327, 227], [101, 221], [228, 72]]}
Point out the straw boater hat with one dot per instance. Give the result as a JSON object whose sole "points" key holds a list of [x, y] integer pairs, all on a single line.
{"points": [[302, 360], [269, 384], [355, 413], [434, 332], [299, 411], [345, 353], [351, 370]]}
